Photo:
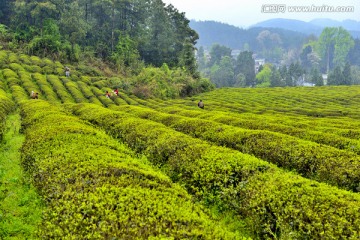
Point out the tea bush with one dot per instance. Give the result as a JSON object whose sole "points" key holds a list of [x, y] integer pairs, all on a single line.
{"points": [[6, 105], [95, 188], [277, 204], [309, 159]]}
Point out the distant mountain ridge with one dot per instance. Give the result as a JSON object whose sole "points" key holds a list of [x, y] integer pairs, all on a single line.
{"points": [[211, 32], [350, 25], [313, 27], [292, 32]]}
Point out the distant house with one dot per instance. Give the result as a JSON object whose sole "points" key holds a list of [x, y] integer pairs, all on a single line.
{"points": [[325, 77], [259, 62], [235, 53], [302, 82]]}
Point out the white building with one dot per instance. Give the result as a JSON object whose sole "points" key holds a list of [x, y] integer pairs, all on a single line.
{"points": [[259, 62]]}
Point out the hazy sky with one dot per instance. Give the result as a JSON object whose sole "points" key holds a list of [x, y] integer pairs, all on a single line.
{"points": [[243, 13]]}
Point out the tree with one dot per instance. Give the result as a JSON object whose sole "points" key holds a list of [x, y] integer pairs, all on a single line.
{"points": [[355, 74], [245, 64], [222, 75], [261, 67], [347, 78], [354, 53], [295, 71], [217, 52], [74, 28], [334, 45], [184, 40], [270, 44], [305, 61], [48, 43], [343, 44], [336, 77], [326, 45], [188, 61], [263, 77], [275, 78], [5, 11], [126, 53], [240, 80], [316, 78], [160, 33], [201, 58]]}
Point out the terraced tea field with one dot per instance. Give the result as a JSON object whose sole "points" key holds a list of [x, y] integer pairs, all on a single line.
{"points": [[279, 163]]}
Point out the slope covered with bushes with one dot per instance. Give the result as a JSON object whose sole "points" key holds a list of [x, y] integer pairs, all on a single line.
{"points": [[266, 163]]}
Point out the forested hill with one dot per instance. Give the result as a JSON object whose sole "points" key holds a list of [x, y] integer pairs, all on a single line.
{"points": [[126, 36], [313, 27], [211, 32]]}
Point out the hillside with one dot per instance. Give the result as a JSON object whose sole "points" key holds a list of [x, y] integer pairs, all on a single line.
{"points": [[312, 27], [211, 32], [259, 163], [292, 32], [291, 24]]}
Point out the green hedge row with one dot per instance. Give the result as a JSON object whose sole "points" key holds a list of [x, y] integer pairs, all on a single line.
{"points": [[74, 90], [13, 58], [95, 188], [324, 101], [18, 93], [6, 105], [100, 94], [260, 122], [277, 204], [45, 88], [311, 160], [60, 89], [86, 90], [29, 85], [3, 58]]}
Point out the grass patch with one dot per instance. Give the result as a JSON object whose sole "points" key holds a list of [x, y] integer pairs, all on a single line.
{"points": [[20, 206]]}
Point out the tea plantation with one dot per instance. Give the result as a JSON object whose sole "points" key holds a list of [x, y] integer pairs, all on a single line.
{"points": [[274, 163]]}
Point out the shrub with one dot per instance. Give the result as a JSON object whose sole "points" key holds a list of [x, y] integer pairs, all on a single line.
{"points": [[96, 188], [278, 204]]}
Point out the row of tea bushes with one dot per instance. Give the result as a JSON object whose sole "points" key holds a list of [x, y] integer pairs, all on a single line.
{"points": [[29, 85], [95, 188], [311, 160], [255, 123], [73, 89], [276, 203], [86, 90], [101, 96], [32, 64], [42, 76], [342, 126], [18, 93], [45, 88], [320, 101], [6, 105], [59, 89]]}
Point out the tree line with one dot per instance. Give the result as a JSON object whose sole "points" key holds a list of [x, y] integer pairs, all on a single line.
{"points": [[334, 53], [123, 32]]}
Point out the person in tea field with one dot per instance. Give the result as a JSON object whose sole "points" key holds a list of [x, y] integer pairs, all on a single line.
{"points": [[107, 94], [35, 96], [201, 104], [67, 71], [116, 92], [32, 94]]}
